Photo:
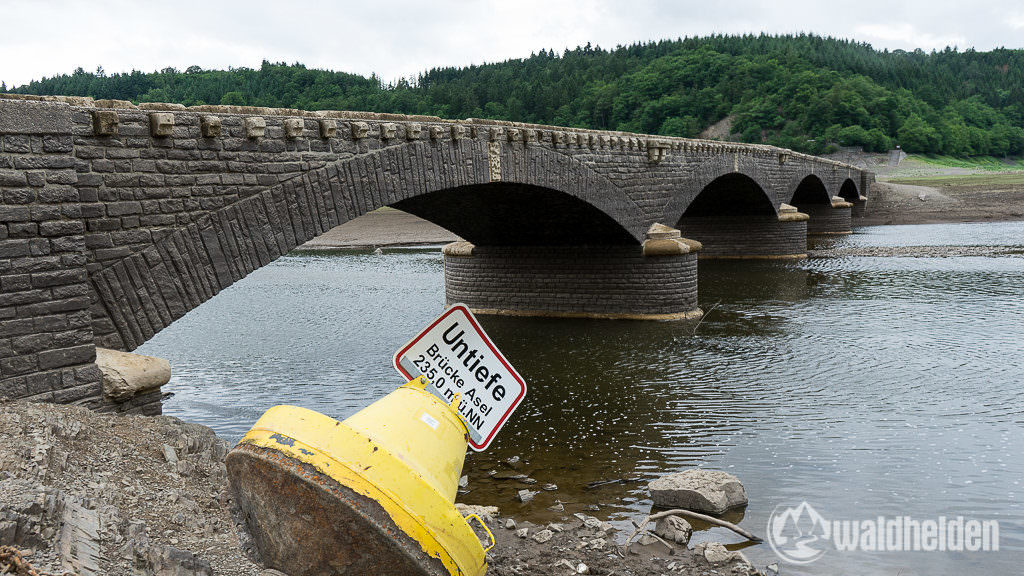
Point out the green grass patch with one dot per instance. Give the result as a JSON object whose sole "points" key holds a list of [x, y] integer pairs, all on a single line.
{"points": [[987, 163], [987, 179]]}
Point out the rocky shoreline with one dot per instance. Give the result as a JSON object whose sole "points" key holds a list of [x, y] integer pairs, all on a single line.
{"points": [[86, 493]]}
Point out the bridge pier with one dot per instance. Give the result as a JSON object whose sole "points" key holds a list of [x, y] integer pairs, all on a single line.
{"points": [[859, 206], [828, 219], [657, 281], [760, 237]]}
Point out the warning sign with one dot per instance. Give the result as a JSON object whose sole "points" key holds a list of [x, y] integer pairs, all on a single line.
{"points": [[457, 357]]}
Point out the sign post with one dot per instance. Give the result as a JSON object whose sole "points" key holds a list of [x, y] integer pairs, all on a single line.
{"points": [[457, 357]]}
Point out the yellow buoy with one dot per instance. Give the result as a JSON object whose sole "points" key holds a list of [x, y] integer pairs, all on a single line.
{"points": [[371, 495]]}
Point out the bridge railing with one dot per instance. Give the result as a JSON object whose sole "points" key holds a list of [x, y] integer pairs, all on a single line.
{"points": [[654, 145]]}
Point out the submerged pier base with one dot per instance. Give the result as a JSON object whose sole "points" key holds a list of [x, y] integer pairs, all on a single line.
{"points": [[656, 281], [828, 219], [761, 237]]}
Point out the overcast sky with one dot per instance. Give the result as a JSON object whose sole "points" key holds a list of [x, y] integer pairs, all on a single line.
{"points": [[396, 38]]}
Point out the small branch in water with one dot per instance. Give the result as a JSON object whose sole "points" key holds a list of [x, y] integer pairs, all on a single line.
{"points": [[599, 483], [698, 516], [708, 313]]}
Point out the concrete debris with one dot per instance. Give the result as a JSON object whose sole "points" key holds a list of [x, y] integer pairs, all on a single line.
{"points": [[717, 555], [542, 536], [486, 513]]}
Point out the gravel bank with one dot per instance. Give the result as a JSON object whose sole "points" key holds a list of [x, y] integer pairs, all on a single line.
{"points": [[85, 493]]}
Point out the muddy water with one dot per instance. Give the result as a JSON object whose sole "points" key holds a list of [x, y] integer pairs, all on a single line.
{"points": [[863, 386]]}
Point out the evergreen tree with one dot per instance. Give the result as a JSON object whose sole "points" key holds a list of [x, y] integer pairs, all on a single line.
{"points": [[802, 91]]}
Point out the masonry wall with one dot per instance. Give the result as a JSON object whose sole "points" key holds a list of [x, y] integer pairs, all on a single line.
{"points": [[747, 236], [613, 281], [46, 338]]}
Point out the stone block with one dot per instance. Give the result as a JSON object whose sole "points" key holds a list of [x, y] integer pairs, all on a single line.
{"points": [[458, 132], [360, 130], [255, 127], [104, 122], [27, 117], [328, 128], [161, 124], [436, 132], [126, 375], [413, 131], [209, 126], [388, 130], [13, 178], [67, 356], [293, 127]]}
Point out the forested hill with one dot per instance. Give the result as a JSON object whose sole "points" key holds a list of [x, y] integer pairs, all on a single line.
{"points": [[802, 92]]}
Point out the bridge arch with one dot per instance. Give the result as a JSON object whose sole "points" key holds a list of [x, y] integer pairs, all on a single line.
{"points": [[731, 194], [735, 216], [744, 171], [848, 191], [808, 189], [143, 293]]}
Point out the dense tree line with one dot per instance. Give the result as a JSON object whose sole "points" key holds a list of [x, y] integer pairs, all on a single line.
{"points": [[804, 92]]}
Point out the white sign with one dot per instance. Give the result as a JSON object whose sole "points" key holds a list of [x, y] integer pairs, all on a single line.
{"points": [[457, 357]]}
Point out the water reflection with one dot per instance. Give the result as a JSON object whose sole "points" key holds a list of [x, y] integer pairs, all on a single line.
{"points": [[864, 386]]}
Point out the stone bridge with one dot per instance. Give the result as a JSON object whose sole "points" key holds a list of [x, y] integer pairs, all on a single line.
{"points": [[116, 219]]}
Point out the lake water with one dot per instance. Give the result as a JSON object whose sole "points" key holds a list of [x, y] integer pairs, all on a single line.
{"points": [[863, 386]]}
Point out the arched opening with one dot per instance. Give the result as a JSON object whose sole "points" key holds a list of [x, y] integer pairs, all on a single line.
{"points": [[849, 191], [812, 198], [811, 190], [507, 214], [734, 194], [733, 217]]}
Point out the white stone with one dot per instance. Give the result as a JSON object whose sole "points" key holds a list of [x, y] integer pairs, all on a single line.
{"points": [[543, 536], [126, 375], [674, 529], [710, 491]]}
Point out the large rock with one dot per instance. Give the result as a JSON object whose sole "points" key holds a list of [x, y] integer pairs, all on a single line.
{"points": [[126, 375], [710, 491]]}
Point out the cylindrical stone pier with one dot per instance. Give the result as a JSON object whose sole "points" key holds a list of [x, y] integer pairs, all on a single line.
{"points": [[859, 207], [656, 282], [828, 219], [764, 237]]}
